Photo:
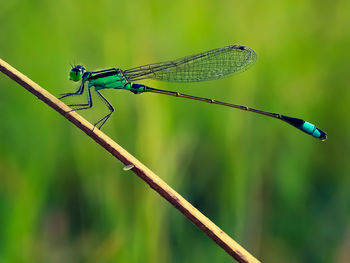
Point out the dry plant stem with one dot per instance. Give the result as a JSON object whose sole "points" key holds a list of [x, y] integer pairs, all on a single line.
{"points": [[221, 238]]}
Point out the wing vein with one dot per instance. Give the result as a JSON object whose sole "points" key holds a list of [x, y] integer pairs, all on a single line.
{"points": [[210, 65]]}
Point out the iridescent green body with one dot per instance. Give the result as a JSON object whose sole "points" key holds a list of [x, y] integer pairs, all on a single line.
{"points": [[109, 82], [116, 81], [210, 65]]}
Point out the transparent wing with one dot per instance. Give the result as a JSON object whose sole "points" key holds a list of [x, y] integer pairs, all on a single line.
{"points": [[210, 65]]}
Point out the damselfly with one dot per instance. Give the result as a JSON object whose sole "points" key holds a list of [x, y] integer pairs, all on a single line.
{"points": [[210, 65]]}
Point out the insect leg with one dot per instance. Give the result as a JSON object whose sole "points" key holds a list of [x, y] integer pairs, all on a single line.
{"points": [[78, 92], [110, 107], [87, 105]]}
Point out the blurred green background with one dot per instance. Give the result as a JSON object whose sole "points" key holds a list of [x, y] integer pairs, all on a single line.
{"points": [[280, 193]]}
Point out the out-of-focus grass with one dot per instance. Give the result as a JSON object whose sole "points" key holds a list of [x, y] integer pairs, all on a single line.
{"points": [[280, 193]]}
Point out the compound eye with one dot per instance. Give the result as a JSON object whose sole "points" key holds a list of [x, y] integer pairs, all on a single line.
{"points": [[75, 74]]}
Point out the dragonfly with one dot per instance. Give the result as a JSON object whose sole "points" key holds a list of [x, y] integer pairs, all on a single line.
{"points": [[211, 65]]}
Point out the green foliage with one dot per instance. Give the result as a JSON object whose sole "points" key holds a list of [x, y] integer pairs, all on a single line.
{"points": [[280, 193]]}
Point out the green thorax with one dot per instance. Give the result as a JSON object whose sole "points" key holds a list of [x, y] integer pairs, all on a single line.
{"points": [[105, 81]]}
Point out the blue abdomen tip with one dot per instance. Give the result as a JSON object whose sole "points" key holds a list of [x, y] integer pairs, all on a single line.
{"points": [[314, 131]]}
